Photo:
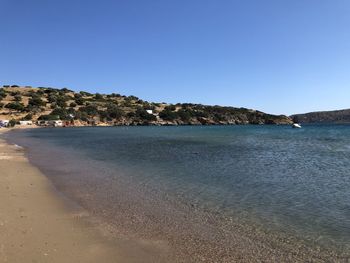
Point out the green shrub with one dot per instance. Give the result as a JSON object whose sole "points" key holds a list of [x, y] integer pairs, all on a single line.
{"points": [[63, 114], [98, 96], [48, 90], [90, 110], [61, 101], [168, 115], [18, 98], [15, 106], [170, 108], [81, 115], [132, 97], [48, 117], [65, 90], [2, 93], [142, 114], [104, 116], [52, 97], [40, 92], [185, 115], [14, 93], [115, 95], [28, 117], [114, 112], [12, 123], [36, 101], [126, 103], [86, 94], [148, 106], [79, 101], [53, 105]]}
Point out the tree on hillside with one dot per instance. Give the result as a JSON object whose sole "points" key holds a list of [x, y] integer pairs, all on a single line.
{"points": [[64, 114], [185, 115], [18, 97], [65, 90], [132, 97], [36, 101], [98, 96], [79, 101], [168, 115], [12, 123], [142, 114], [28, 117], [49, 90], [48, 117], [114, 111], [170, 108], [15, 106], [90, 110], [61, 101], [86, 94], [40, 92], [2, 93], [115, 95], [52, 97], [81, 115], [14, 93]]}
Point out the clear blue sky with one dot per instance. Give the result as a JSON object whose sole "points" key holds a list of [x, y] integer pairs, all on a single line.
{"points": [[278, 56]]}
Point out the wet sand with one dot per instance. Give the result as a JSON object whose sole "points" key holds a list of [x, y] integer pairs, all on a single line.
{"points": [[38, 225]]}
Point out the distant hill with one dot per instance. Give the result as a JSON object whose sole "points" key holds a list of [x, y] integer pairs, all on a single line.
{"points": [[83, 108], [337, 116]]}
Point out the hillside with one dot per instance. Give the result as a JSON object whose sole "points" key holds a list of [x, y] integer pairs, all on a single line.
{"points": [[83, 108], [338, 116]]}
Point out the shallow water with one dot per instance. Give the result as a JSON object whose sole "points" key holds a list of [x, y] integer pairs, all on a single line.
{"points": [[160, 182]]}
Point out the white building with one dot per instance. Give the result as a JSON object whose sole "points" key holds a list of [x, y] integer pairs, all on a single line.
{"points": [[23, 123], [57, 123], [54, 123], [4, 123]]}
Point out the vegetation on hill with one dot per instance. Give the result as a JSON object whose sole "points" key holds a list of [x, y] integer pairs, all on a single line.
{"points": [[338, 116], [83, 108]]}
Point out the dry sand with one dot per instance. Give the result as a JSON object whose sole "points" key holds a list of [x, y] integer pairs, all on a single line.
{"points": [[38, 225]]}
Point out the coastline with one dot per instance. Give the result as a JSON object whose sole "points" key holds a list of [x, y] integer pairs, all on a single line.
{"points": [[35, 225], [207, 237], [38, 225]]}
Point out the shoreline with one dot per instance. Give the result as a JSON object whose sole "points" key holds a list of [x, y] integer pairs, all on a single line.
{"points": [[206, 237], [37, 224]]}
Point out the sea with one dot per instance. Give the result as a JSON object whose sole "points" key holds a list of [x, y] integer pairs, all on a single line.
{"points": [[247, 193]]}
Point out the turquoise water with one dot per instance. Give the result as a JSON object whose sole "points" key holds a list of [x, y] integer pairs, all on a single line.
{"points": [[283, 180]]}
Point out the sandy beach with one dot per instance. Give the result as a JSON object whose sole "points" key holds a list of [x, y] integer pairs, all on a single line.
{"points": [[38, 225], [35, 225]]}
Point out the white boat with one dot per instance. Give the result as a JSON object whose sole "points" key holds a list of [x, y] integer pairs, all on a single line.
{"points": [[296, 125]]}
